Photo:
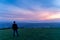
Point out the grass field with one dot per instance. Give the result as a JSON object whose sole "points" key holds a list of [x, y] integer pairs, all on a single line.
{"points": [[31, 34]]}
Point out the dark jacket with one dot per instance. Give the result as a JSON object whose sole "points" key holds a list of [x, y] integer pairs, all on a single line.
{"points": [[14, 27]]}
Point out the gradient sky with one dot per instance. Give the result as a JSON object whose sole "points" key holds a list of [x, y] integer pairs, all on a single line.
{"points": [[30, 10]]}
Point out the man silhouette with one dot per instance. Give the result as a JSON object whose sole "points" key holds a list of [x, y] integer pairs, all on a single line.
{"points": [[15, 29]]}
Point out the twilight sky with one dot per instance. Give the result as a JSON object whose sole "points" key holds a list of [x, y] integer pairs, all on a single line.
{"points": [[30, 10]]}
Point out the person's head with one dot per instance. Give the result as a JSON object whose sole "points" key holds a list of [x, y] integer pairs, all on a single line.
{"points": [[14, 22]]}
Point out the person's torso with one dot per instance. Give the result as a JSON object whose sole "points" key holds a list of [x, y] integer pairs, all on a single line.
{"points": [[15, 26]]}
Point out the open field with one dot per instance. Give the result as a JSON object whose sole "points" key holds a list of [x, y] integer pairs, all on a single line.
{"points": [[31, 34]]}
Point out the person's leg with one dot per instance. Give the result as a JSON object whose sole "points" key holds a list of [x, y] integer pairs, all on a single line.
{"points": [[17, 32], [13, 32]]}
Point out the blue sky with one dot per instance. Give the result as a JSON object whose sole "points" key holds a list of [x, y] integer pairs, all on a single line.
{"points": [[30, 10]]}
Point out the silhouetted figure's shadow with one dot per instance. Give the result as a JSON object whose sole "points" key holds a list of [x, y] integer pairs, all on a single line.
{"points": [[15, 29]]}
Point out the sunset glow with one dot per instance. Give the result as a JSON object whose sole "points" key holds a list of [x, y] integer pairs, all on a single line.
{"points": [[29, 10]]}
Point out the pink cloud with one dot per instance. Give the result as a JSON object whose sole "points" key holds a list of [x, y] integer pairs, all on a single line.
{"points": [[16, 13]]}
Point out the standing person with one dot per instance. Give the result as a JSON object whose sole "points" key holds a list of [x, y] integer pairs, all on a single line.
{"points": [[15, 29]]}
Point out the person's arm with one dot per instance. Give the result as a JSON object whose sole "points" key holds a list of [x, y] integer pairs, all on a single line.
{"points": [[17, 26], [12, 26]]}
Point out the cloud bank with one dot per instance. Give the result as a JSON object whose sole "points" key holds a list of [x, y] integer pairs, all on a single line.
{"points": [[30, 10]]}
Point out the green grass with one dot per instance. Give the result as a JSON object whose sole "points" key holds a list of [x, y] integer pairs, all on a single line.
{"points": [[31, 34]]}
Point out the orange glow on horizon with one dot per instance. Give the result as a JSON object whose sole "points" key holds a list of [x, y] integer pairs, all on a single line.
{"points": [[48, 16], [53, 16]]}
